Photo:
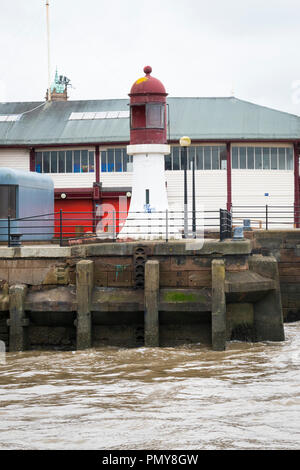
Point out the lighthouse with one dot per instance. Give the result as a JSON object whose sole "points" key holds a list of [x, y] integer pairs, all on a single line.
{"points": [[148, 145]]}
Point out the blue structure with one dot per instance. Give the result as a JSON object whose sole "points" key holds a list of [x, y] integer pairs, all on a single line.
{"points": [[26, 194]]}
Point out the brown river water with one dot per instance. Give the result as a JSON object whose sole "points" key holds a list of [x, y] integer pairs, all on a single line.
{"points": [[154, 399]]}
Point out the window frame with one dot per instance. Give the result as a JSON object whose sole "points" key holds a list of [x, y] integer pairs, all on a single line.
{"points": [[63, 160], [104, 160], [263, 157]]}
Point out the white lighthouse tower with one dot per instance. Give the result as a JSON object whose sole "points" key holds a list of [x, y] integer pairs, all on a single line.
{"points": [[147, 217]]}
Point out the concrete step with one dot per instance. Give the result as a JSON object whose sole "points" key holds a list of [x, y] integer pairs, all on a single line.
{"points": [[247, 282]]}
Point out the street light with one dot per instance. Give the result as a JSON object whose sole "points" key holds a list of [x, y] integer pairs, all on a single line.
{"points": [[193, 199], [184, 143]]}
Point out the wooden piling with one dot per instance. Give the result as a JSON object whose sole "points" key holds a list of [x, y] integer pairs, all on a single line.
{"points": [[268, 316], [84, 288], [17, 322], [218, 315], [151, 320]]}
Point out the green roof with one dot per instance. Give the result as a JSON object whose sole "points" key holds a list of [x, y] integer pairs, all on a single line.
{"points": [[47, 123]]}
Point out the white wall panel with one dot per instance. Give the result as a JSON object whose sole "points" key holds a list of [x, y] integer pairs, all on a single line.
{"points": [[210, 189], [17, 159], [73, 180], [249, 188], [116, 179]]}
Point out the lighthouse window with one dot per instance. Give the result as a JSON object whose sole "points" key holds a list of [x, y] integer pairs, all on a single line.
{"points": [[155, 115], [138, 116]]}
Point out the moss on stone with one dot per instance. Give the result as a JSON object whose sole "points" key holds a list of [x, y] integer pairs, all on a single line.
{"points": [[182, 297]]}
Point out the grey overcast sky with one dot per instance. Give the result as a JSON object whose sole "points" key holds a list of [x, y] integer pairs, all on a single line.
{"points": [[195, 47]]}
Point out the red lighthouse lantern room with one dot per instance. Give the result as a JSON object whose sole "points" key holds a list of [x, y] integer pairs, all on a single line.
{"points": [[148, 111]]}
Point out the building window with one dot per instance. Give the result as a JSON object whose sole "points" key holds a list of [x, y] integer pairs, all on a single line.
{"points": [[65, 161], [205, 157], [116, 160], [262, 158]]}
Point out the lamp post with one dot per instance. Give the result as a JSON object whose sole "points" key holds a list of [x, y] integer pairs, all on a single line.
{"points": [[193, 199], [184, 143]]}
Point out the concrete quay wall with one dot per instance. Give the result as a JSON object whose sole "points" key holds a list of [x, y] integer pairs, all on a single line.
{"points": [[89, 296], [284, 245]]}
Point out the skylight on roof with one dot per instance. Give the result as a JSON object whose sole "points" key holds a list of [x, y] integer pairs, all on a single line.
{"points": [[99, 115], [10, 117]]}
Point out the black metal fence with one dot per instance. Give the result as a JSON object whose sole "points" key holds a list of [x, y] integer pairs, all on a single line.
{"points": [[225, 224], [266, 217], [76, 227]]}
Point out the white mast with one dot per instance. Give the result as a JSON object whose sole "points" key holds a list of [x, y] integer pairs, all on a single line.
{"points": [[48, 46]]}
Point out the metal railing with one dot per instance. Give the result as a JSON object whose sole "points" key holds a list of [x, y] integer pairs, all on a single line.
{"points": [[68, 227], [71, 227], [225, 224], [267, 217]]}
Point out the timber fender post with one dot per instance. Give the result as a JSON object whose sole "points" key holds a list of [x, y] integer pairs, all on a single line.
{"points": [[17, 322], [218, 314], [151, 292], [84, 289], [268, 316]]}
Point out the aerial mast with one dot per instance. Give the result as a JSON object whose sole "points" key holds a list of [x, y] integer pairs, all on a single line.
{"points": [[48, 47]]}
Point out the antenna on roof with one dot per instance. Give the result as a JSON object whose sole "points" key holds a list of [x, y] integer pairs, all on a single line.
{"points": [[48, 46], [64, 81]]}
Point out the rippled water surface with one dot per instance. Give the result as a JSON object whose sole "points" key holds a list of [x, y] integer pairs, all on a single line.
{"points": [[172, 398]]}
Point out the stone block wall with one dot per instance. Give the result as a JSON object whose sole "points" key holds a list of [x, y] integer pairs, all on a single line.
{"points": [[285, 246]]}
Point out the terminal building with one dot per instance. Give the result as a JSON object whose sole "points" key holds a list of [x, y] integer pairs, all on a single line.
{"points": [[244, 154]]}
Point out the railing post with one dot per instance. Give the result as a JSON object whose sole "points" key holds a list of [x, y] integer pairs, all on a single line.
{"points": [[114, 226], [167, 225], [221, 225], [267, 224], [60, 227], [8, 230]]}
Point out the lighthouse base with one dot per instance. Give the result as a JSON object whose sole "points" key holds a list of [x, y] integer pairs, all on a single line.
{"points": [[150, 226]]}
